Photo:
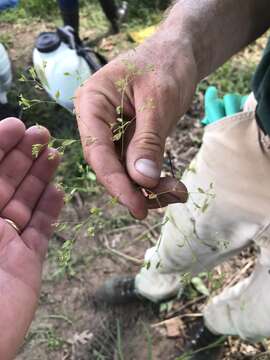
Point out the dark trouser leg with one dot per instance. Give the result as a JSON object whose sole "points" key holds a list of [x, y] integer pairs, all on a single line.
{"points": [[111, 11], [70, 13]]}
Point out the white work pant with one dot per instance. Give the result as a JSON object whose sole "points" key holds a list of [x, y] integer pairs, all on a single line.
{"points": [[228, 207]]}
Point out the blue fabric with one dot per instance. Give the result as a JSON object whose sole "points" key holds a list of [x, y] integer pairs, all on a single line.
{"points": [[68, 4], [6, 4]]}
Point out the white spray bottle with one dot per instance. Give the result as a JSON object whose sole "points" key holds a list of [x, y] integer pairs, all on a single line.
{"points": [[5, 74], [62, 65]]}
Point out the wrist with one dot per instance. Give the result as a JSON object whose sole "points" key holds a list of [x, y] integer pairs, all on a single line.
{"points": [[172, 47], [185, 23]]}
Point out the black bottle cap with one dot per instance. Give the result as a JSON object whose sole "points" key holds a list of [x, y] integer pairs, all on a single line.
{"points": [[47, 42]]}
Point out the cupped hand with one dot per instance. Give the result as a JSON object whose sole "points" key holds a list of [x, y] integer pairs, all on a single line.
{"points": [[160, 83], [28, 199]]}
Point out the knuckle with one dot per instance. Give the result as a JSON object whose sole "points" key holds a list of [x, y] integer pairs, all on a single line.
{"points": [[168, 86], [91, 147], [150, 140]]}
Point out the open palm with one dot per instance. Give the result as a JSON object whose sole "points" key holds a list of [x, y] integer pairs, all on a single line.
{"points": [[33, 204]]}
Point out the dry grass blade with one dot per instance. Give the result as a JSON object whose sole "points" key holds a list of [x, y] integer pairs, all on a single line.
{"points": [[186, 305], [239, 275], [132, 259]]}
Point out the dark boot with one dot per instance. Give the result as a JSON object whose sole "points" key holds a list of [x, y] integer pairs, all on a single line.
{"points": [[204, 345], [121, 290], [117, 290], [115, 14]]}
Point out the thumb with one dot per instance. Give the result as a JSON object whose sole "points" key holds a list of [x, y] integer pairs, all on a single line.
{"points": [[145, 150]]}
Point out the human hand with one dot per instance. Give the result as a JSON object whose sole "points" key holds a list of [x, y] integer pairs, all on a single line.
{"points": [[29, 200], [152, 101]]}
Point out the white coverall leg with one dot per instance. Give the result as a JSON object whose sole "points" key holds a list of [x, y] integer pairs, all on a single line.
{"points": [[228, 207]]}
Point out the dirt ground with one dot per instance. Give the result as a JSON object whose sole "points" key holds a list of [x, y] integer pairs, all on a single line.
{"points": [[68, 324]]}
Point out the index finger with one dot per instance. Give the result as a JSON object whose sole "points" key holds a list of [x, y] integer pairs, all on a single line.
{"points": [[95, 113]]}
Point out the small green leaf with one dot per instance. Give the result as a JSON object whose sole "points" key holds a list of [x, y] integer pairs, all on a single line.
{"points": [[42, 76], [22, 78], [25, 103], [117, 136], [114, 200], [196, 205], [95, 211], [118, 110], [205, 206], [36, 149], [200, 286], [91, 231], [33, 74], [91, 176], [77, 227], [68, 142], [57, 94]]}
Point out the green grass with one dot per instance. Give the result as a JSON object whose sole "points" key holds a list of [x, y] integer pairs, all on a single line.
{"points": [[143, 12], [6, 40], [31, 9], [233, 77]]}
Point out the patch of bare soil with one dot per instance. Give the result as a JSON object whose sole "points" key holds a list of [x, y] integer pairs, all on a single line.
{"points": [[21, 39], [68, 324]]}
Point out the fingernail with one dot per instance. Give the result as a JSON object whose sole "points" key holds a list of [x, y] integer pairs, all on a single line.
{"points": [[147, 168]]}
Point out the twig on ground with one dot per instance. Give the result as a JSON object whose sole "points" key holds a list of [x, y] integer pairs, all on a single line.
{"points": [[150, 229], [179, 316], [237, 277], [262, 356], [132, 259], [189, 303], [58, 317], [123, 228], [79, 200]]}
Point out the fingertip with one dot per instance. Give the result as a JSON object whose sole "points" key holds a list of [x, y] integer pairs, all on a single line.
{"points": [[39, 130], [54, 155], [138, 213], [137, 206], [14, 122]]}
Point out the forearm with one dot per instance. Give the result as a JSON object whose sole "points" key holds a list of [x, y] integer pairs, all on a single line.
{"points": [[216, 29]]}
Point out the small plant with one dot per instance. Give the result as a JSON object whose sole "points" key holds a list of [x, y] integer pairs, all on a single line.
{"points": [[46, 334], [95, 222], [119, 128]]}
